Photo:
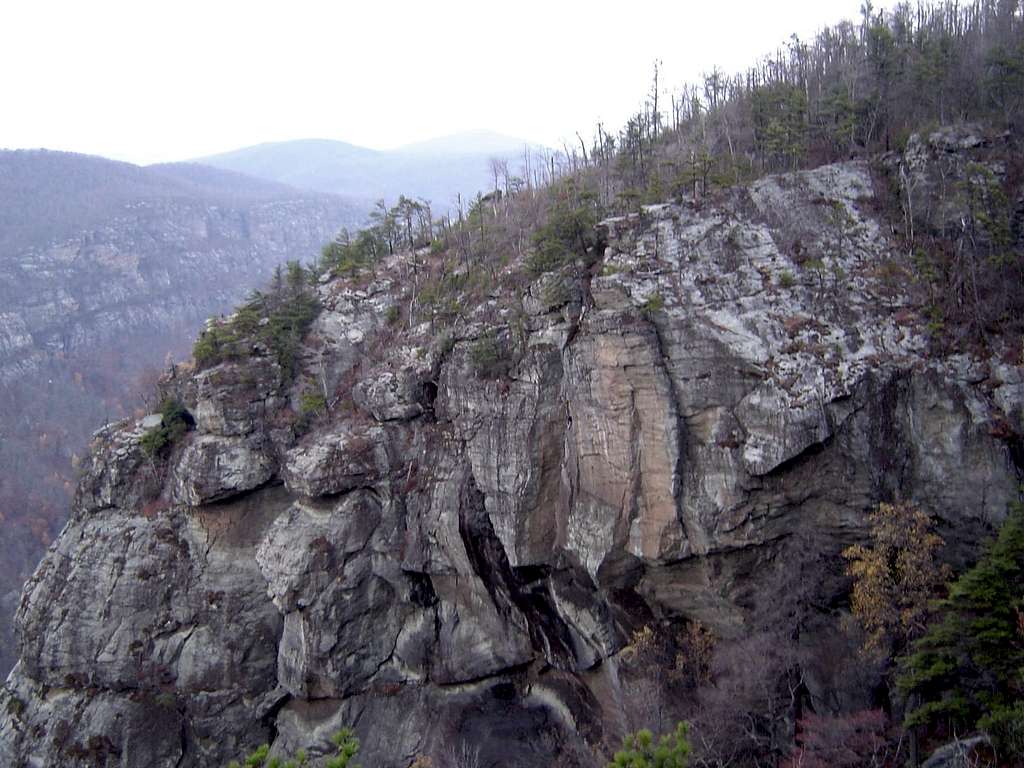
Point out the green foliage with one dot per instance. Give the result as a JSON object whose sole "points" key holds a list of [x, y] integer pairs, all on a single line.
{"points": [[443, 297], [655, 192], [347, 257], [407, 224], [698, 175], [925, 265], [786, 280], [1005, 77], [655, 303], [344, 740], [839, 118], [568, 233], [153, 442], [348, 748], [972, 271], [779, 113], [640, 750], [258, 757], [1005, 725], [990, 208], [490, 358], [445, 344], [311, 405], [556, 293], [175, 421], [967, 671], [936, 316], [255, 759], [854, 88], [278, 319]]}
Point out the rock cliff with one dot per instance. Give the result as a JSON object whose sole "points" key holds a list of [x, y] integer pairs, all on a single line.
{"points": [[457, 557], [106, 268]]}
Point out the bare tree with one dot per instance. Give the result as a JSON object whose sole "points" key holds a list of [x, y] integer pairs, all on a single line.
{"points": [[462, 755]]}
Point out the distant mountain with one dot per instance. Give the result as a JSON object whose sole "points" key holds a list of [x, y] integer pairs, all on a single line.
{"points": [[46, 196], [480, 142], [105, 268], [436, 170]]}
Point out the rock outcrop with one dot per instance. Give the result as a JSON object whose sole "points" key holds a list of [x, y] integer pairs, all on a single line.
{"points": [[449, 560], [106, 268]]}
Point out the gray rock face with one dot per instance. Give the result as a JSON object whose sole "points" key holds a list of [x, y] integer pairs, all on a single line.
{"points": [[214, 468], [89, 302], [389, 396], [454, 562], [959, 754], [336, 461]]}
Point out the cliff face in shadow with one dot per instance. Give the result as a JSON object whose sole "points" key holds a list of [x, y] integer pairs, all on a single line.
{"points": [[467, 547], [105, 270]]}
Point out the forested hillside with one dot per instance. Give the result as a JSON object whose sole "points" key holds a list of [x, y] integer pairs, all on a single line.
{"points": [[857, 90], [48, 196]]}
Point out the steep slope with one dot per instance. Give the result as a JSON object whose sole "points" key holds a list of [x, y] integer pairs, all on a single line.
{"points": [[434, 170], [105, 268], [464, 552]]}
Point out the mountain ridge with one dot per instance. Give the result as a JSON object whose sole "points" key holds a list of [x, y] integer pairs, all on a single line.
{"points": [[437, 169], [46, 195]]}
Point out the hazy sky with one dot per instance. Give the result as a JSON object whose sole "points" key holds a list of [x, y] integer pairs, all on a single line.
{"points": [[148, 81]]}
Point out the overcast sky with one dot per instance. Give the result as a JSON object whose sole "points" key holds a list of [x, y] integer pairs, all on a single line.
{"points": [[149, 81]]}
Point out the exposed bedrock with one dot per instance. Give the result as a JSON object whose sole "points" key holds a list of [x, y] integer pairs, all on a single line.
{"points": [[448, 561]]}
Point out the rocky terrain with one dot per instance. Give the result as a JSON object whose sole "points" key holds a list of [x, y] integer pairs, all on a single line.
{"points": [[105, 269], [458, 557]]}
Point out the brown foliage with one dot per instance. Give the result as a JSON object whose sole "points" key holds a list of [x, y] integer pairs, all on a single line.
{"points": [[856, 740], [745, 717], [896, 576], [693, 661]]}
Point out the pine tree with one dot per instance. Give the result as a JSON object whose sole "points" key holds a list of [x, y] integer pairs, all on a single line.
{"points": [[967, 671], [641, 751]]}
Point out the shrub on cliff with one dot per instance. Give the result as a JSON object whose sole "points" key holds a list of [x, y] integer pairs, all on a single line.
{"points": [[175, 421], [345, 741], [569, 232], [491, 358], [347, 256], [276, 319], [312, 404], [641, 750]]}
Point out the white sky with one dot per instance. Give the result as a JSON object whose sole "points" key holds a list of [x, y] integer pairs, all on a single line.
{"points": [[148, 80]]}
